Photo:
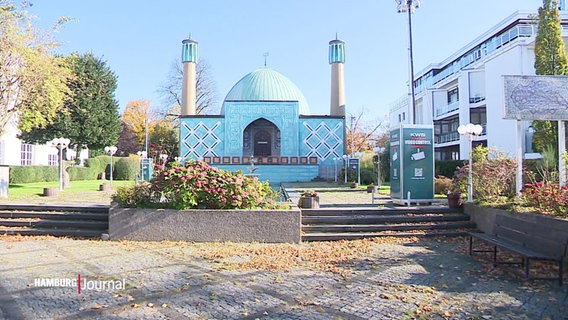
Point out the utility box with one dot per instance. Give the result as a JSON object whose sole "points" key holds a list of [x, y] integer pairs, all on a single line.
{"points": [[412, 164], [4, 181], [147, 169]]}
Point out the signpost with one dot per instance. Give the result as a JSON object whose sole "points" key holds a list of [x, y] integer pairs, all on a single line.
{"points": [[412, 164]]}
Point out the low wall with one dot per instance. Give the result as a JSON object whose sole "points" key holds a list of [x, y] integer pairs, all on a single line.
{"points": [[485, 218], [205, 225]]}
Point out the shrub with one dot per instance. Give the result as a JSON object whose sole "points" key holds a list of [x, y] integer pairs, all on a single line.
{"points": [[136, 196], [547, 197], [442, 185], [446, 168], [493, 177], [368, 176], [28, 174], [198, 185], [81, 173], [126, 168]]}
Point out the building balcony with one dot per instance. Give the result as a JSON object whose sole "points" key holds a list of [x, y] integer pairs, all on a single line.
{"points": [[446, 137], [447, 108], [476, 99]]}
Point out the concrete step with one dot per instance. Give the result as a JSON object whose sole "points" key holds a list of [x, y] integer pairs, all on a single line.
{"points": [[52, 215], [387, 227], [57, 208], [340, 211], [81, 233], [58, 224], [380, 219], [363, 235]]}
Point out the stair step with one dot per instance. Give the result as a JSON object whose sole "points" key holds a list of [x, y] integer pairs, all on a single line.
{"points": [[58, 208], [41, 223], [354, 236], [376, 211], [387, 227], [54, 215], [382, 219], [52, 232]]}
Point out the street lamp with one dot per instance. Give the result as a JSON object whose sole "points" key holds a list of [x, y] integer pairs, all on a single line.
{"points": [[142, 155], [110, 151], [379, 151], [335, 160], [409, 6], [359, 155], [346, 160], [60, 144], [470, 129]]}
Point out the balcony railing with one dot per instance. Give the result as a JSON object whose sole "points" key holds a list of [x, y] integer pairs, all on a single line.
{"points": [[446, 137], [476, 99], [447, 108]]}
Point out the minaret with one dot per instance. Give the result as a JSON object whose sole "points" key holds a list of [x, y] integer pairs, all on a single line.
{"points": [[337, 59], [189, 86]]}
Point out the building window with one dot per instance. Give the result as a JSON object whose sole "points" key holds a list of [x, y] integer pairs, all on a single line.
{"points": [[52, 160], [26, 155], [453, 95]]}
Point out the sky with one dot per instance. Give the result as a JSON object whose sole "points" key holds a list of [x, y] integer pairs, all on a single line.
{"points": [[139, 40]]}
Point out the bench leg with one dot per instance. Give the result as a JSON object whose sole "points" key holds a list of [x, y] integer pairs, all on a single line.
{"points": [[560, 270], [527, 263]]}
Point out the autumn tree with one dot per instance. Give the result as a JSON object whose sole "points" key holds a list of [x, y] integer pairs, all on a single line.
{"points": [[32, 79], [127, 142], [136, 116], [90, 116], [362, 135], [170, 90], [550, 59]]}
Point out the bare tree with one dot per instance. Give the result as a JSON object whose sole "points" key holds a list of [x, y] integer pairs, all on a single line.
{"points": [[362, 135], [170, 90]]}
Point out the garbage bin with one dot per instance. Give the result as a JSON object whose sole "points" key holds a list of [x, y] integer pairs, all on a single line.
{"points": [[4, 180]]}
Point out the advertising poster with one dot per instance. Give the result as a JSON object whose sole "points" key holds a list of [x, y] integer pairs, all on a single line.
{"points": [[412, 163], [395, 182]]}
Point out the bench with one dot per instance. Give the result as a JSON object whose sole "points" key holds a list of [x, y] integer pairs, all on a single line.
{"points": [[527, 239]]}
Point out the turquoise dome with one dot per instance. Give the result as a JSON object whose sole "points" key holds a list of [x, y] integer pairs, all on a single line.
{"points": [[265, 84]]}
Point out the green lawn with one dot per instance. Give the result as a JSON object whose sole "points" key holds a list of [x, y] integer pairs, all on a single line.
{"points": [[79, 192]]}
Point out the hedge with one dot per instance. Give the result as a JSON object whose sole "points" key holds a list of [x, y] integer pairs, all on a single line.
{"points": [[447, 168], [126, 168], [82, 173], [28, 174]]}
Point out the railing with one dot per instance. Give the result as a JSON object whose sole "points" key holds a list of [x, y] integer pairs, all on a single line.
{"points": [[447, 108], [447, 137], [476, 99]]}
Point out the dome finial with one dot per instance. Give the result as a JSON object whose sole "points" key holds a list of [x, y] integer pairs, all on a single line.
{"points": [[265, 58], [336, 38]]}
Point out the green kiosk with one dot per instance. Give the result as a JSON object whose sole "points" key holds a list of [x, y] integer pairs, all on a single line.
{"points": [[412, 164]]}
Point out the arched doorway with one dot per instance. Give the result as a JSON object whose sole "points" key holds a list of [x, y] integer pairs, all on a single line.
{"points": [[261, 138]]}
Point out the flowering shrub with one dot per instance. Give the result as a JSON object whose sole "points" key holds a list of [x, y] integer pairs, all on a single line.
{"points": [[547, 197], [309, 194], [493, 176], [198, 185]]}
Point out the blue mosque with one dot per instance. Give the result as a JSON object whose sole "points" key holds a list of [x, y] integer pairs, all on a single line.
{"points": [[265, 124]]}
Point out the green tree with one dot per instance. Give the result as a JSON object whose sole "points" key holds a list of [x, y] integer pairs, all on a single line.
{"points": [[164, 140], [32, 79], [90, 115], [550, 59]]}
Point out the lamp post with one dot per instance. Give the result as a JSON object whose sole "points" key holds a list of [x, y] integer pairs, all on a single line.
{"points": [[470, 129], [345, 159], [110, 151], [379, 151], [60, 144], [335, 159], [409, 6], [142, 155], [359, 155]]}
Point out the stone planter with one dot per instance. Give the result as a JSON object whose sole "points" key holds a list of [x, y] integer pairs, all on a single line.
{"points": [[50, 192], [454, 200], [104, 187], [204, 225], [485, 218], [370, 189], [353, 185], [309, 202]]}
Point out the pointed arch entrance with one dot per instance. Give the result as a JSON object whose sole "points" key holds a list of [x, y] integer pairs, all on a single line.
{"points": [[261, 138]]}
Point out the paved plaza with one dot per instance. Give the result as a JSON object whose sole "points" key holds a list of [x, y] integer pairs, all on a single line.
{"points": [[422, 279]]}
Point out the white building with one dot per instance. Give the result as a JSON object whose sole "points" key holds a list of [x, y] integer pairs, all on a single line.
{"points": [[468, 87]]}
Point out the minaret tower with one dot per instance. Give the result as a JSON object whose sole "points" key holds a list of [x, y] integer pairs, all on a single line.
{"points": [[337, 59], [189, 86]]}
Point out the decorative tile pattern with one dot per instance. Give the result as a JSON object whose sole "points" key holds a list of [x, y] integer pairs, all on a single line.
{"points": [[199, 140], [323, 140]]}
